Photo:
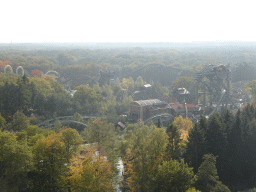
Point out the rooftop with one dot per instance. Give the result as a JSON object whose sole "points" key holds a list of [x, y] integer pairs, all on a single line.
{"points": [[148, 102]]}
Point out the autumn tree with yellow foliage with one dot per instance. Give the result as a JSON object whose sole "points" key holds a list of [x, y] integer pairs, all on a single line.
{"points": [[178, 134], [183, 125], [145, 152], [71, 139], [49, 161], [90, 173]]}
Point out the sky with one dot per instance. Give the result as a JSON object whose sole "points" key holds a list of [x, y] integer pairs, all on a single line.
{"points": [[29, 21]]}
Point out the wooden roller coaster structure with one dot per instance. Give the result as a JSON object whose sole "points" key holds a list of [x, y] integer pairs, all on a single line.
{"points": [[214, 80]]}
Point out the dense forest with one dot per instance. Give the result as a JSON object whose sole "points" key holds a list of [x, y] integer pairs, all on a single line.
{"points": [[52, 140]]}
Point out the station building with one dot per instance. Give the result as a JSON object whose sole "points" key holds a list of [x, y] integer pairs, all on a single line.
{"points": [[144, 109], [186, 110]]}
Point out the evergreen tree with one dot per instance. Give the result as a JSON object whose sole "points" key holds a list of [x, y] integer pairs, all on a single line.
{"points": [[215, 136], [246, 118], [9, 100], [236, 135], [24, 95], [216, 141], [207, 176], [51, 105], [196, 147], [227, 119], [241, 153], [39, 104], [248, 112], [203, 124], [174, 149]]}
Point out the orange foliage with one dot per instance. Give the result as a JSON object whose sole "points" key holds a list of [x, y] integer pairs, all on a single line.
{"points": [[36, 73], [3, 64]]}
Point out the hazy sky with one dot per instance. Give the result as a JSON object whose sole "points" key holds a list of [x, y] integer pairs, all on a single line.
{"points": [[126, 21]]}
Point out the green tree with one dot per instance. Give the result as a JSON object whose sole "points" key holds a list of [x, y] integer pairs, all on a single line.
{"points": [[77, 117], [101, 132], [55, 85], [9, 100], [19, 121], [88, 99], [251, 89], [174, 148], [239, 155], [174, 176], [15, 162], [128, 84], [113, 160], [111, 114], [57, 126], [196, 147], [215, 136], [24, 94], [228, 120], [42, 86], [236, 135], [192, 190], [107, 93], [185, 82], [65, 59], [123, 107], [39, 104], [72, 140], [30, 135], [97, 88], [139, 82], [147, 147], [49, 160], [207, 176], [158, 90], [203, 123], [2, 123]]}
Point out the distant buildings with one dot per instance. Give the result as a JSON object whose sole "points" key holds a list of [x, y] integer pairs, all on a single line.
{"points": [[181, 94], [145, 109], [186, 110]]}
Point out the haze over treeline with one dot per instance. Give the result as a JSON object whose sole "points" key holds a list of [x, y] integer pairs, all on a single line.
{"points": [[196, 45]]}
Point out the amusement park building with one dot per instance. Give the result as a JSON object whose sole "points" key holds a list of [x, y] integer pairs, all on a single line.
{"points": [[145, 109], [186, 110]]}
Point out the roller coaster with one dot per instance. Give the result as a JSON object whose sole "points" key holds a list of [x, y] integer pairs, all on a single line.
{"points": [[211, 86], [64, 120], [19, 70], [213, 81], [55, 74]]}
